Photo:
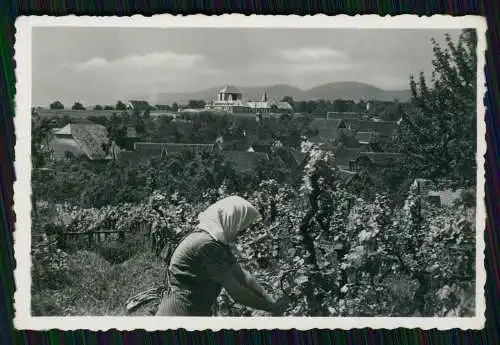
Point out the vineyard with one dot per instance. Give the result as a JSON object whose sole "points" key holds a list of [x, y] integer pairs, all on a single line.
{"points": [[332, 253]]}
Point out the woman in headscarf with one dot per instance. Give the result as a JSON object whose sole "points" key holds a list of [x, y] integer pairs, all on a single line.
{"points": [[203, 264]]}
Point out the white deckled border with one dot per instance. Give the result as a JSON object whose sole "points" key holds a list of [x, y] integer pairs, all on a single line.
{"points": [[22, 187]]}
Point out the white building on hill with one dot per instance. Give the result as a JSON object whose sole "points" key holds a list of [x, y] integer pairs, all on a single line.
{"points": [[230, 100]]}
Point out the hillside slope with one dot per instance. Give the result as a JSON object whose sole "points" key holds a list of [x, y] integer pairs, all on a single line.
{"points": [[355, 91]]}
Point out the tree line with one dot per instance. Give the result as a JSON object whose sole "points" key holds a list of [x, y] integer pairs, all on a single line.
{"points": [[389, 111], [57, 105]]}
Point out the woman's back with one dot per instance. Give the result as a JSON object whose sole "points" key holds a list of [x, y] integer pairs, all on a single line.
{"points": [[197, 268]]}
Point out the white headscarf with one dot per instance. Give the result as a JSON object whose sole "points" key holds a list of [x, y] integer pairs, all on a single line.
{"points": [[224, 219]]}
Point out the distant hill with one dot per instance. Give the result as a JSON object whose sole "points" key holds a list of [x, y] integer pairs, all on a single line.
{"points": [[355, 91], [337, 90]]}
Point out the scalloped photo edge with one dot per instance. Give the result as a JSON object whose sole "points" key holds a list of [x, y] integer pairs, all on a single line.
{"points": [[22, 186]]}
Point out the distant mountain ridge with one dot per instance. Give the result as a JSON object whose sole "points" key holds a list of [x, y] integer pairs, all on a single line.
{"points": [[336, 90]]}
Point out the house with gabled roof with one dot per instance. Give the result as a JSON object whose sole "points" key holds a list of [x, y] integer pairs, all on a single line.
{"points": [[384, 129], [323, 130], [320, 124], [80, 140]]}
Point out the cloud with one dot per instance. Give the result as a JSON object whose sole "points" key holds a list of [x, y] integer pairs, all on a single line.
{"points": [[323, 67], [96, 62], [388, 82], [314, 60], [313, 54], [162, 60]]}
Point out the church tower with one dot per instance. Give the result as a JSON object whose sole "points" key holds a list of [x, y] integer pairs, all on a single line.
{"points": [[264, 97]]}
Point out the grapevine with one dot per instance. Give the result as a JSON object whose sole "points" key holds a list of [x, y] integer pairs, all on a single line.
{"points": [[331, 252]]}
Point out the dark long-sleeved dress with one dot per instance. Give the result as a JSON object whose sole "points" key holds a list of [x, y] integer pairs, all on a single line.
{"points": [[197, 268]]}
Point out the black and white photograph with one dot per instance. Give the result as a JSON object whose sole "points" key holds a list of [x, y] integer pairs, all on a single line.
{"points": [[298, 174]]}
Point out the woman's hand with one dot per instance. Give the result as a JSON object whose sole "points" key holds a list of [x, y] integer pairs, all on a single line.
{"points": [[244, 289]]}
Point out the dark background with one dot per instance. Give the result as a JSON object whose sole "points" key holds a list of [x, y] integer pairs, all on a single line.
{"points": [[10, 10]]}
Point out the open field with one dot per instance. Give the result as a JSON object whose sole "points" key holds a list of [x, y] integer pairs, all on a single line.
{"points": [[78, 114]]}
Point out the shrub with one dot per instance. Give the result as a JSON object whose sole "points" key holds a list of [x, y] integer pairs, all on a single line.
{"points": [[118, 251], [114, 252]]}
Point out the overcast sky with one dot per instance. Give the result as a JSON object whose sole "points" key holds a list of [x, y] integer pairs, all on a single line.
{"points": [[102, 65]]}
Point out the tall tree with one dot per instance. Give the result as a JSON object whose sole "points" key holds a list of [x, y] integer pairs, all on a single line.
{"points": [[78, 106], [117, 132], [120, 106], [439, 137], [289, 100], [56, 105]]}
